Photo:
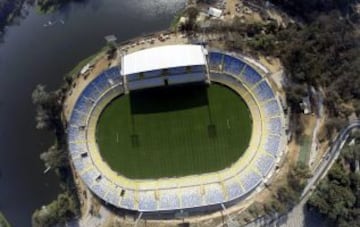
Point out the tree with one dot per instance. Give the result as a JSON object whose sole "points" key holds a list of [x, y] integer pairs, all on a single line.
{"points": [[338, 197], [308, 9], [190, 24], [287, 196], [297, 177], [338, 176], [55, 157], [263, 43], [48, 107], [64, 208], [192, 13]]}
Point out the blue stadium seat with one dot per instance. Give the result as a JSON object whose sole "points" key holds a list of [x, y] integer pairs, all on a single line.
{"points": [[154, 73], [75, 134], [113, 196], [113, 72], [229, 79], [133, 77], [187, 78], [79, 164], [91, 92], [169, 200], [272, 108], [78, 118], [214, 194], [234, 190], [90, 176], [272, 145], [250, 181], [77, 149], [128, 201], [114, 75], [83, 104], [274, 125], [82, 163], [101, 82], [99, 189], [233, 65], [250, 76], [147, 201], [198, 69], [264, 163], [215, 59], [140, 84], [263, 91], [191, 198], [177, 70]]}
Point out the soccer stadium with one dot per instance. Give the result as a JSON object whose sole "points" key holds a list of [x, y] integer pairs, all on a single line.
{"points": [[177, 127]]}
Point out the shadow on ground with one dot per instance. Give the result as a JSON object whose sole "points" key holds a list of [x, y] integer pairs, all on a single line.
{"points": [[166, 99]]}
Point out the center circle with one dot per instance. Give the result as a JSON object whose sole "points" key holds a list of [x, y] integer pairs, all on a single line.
{"points": [[174, 131]]}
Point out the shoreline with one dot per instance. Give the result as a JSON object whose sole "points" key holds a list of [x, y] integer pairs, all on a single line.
{"points": [[3, 221]]}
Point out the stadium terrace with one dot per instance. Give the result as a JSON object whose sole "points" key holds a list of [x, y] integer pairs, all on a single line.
{"points": [[173, 66]]}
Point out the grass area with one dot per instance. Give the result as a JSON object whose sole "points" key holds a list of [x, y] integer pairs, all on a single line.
{"points": [[175, 131], [305, 149], [85, 61], [3, 221]]}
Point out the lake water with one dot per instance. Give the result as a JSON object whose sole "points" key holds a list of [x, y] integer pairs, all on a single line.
{"points": [[33, 54]]}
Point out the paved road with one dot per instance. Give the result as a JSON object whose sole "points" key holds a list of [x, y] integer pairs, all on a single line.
{"points": [[331, 156], [296, 217]]}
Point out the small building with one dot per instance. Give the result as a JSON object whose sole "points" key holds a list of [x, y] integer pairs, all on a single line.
{"points": [[214, 12]]}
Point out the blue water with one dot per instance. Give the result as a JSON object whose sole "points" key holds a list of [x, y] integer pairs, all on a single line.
{"points": [[33, 54]]}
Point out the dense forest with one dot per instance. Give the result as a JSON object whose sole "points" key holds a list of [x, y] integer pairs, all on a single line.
{"points": [[322, 51], [323, 54], [338, 195], [309, 10]]}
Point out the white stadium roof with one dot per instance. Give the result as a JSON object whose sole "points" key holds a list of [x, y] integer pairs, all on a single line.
{"points": [[163, 57]]}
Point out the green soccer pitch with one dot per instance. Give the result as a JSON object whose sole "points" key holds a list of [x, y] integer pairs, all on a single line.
{"points": [[174, 131]]}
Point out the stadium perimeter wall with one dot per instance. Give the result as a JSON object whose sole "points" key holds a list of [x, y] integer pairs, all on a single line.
{"points": [[149, 184]]}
